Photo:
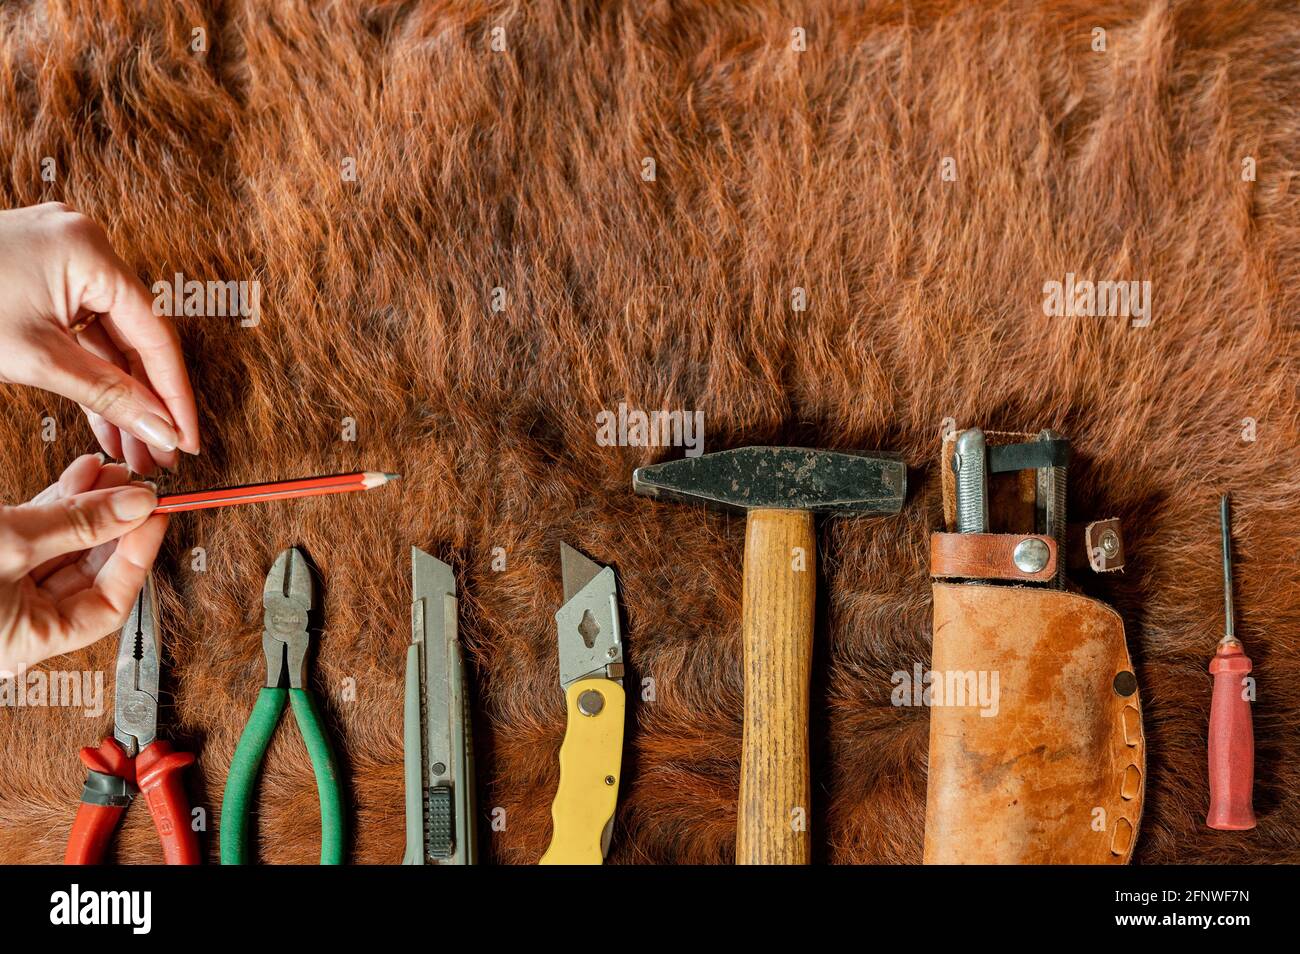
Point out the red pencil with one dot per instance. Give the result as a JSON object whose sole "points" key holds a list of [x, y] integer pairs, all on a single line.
{"points": [[281, 490]]}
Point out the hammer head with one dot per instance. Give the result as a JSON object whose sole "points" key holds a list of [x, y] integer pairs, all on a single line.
{"points": [[781, 478]]}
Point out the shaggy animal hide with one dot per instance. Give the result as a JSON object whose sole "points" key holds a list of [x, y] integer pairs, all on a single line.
{"points": [[516, 160]]}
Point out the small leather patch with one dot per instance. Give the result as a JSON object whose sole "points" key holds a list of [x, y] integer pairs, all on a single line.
{"points": [[990, 556], [1104, 544]]}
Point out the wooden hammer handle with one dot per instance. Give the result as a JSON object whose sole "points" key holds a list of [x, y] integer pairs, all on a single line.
{"points": [[777, 624]]}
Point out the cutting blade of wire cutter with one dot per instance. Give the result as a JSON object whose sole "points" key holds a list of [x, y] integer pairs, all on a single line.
{"points": [[287, 599], [135, 686]]}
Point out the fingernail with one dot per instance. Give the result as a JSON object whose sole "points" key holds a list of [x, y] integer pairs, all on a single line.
{"points": [[103, 458], [132, 503], [152, 429]]}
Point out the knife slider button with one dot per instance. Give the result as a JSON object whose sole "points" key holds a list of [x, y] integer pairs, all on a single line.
{"points": [[438, 822]]}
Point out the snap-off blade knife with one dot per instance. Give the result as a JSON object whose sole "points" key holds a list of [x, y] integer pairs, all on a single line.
{"points": [[591, 675], [439, 758]]}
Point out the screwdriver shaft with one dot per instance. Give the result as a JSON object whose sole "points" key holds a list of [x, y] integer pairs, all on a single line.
{"points": [[1225, 522]]}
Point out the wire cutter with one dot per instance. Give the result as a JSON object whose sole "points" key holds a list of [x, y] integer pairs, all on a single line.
{"points": [[591, 675], [134, 760], [287, 599]]}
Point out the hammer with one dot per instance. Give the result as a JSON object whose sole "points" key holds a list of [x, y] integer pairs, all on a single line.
{"points": [[779, 488]]}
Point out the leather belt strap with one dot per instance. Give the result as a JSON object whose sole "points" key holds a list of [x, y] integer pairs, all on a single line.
{"points": [[987, 556]]}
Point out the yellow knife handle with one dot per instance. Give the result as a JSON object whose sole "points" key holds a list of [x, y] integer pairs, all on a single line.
{"points": [[591, 758]]}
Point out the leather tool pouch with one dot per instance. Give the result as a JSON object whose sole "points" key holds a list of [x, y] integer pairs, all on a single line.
{"points": [[1036, 746]]}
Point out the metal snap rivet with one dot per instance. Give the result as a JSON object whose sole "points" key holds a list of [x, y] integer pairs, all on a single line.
{"points": [[1110, 544], [1125, 683], [1031, 555], [610, 780], [590, 702]]}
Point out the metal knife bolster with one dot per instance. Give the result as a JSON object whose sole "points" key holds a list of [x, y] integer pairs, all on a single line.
{"points": [[590, 640]]}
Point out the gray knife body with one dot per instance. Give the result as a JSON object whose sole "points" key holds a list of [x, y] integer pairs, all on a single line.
{"points": [[437, 737]]}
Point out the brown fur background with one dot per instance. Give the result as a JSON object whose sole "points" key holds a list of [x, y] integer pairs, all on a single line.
{"points": [[775, 169]]}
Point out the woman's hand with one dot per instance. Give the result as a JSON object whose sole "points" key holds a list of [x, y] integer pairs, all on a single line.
{"points": [[72, 561], [76, 321]]}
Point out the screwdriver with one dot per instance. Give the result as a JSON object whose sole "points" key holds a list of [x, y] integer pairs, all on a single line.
{"points": [[1232, 739]]}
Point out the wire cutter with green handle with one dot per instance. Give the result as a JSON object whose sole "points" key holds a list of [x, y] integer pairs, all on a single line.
{"points": [[287, 598]]}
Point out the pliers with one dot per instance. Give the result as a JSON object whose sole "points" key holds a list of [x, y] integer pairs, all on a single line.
{"points": [[134, 760], [287, 599]]}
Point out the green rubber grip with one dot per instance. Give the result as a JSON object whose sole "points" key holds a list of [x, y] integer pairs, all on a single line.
{"points": [[312, 727], [237, 799]]}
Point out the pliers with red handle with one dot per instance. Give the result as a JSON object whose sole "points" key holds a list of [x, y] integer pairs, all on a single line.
{"points": [[134, 760]]}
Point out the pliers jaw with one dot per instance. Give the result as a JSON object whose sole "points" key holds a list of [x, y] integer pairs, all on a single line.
{"points": [[287, 599], [135, 687]]}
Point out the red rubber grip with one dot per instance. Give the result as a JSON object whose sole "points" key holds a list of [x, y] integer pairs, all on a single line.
{"points": [[1232, 743], [95, 824], [158, 773], [91, 831]]}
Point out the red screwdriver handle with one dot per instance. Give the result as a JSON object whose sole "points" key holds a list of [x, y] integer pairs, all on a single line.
{"points": [[1232, 742], [158, 773], [96, 821]]}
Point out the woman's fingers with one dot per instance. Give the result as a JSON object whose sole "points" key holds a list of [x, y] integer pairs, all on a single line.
{"points": [[110, 475], [130, 361], [77, 477], [95, 611], [114, 475], [138, 456], [129, 318], [77, 574], [35, 533], [73, 577], [109, 437], [81, 475], [102, 387], [142, 458], [63, 269]]}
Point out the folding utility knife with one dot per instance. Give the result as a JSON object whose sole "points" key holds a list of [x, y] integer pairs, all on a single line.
{"points": [[440, 819], [591, 674]]}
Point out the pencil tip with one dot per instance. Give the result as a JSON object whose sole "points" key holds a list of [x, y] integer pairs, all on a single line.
{"points": [[393, 476]]}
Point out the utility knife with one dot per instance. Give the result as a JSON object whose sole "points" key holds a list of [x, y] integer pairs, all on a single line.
{"points": [[440, 812], [591, 675]]}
